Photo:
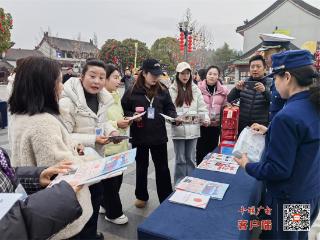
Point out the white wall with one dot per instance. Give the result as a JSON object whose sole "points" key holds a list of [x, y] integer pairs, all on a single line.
{"points": [[302, 25], [47, 50]]}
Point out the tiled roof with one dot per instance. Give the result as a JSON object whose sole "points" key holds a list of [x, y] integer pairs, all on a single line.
{"points": [[14, 54], [69, 45]]}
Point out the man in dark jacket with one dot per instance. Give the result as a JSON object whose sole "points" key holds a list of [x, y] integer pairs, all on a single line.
{"points": [[67, 75], [127, 79], [51, 208], [274, 43], [254, 94]]}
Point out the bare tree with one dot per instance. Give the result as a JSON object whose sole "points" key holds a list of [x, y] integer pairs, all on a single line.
{"points": [[95, 39]]}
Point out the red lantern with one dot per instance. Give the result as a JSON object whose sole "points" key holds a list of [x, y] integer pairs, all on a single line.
{"points": [[189, 43], [181, 41]]}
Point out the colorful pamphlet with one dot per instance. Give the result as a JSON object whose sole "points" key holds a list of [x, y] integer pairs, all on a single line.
{"points": [[220, 157], [135, 116], [96, 170], [7, 200], [219, 162], [186, 118], [219, 166], [189, 198], [250, 142], [215, 190]]}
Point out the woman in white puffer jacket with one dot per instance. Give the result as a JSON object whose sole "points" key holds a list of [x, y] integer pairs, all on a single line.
{"points": [[188, 100], [83, 107]]}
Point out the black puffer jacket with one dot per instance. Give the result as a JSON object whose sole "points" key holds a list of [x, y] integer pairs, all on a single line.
{"points": [[43, 213], [154, 131], [254, 106]]}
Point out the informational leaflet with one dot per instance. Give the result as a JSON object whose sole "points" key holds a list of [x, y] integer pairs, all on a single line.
{"points": [[220, 157], [250, 142], [135, 116], [190, 199], [186, 118], [215, 190], [96, 170], [220, 163], [7, 200]]}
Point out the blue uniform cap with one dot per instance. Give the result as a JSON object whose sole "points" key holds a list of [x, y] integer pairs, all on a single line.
{"points": [[290, 59]]}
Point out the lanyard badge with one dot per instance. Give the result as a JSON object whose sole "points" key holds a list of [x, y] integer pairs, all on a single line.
{"points": [[151, 110]]}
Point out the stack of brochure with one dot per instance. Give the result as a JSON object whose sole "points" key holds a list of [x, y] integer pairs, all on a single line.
{"points": [[220, 163], [214, 190], [94, 171], [190, 199]]}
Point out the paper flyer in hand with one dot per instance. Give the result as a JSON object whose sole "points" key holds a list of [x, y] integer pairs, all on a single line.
{"points": [[7, 200], [215, 190], [135, 116], [186, 119], [189, 198], [167, 118], [251, 143], [91, 171]]}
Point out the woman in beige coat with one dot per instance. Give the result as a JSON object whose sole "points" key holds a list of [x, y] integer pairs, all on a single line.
{"points": [[37, 137]]}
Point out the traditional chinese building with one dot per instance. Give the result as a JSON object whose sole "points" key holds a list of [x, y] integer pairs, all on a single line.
{"points": [[68, 52], [294, 18]]}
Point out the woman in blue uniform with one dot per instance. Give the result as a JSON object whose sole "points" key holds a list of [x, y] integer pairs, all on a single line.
{"points": [[290, 164]]}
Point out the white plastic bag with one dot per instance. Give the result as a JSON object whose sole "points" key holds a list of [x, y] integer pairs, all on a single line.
{"points": [[251, 143]]}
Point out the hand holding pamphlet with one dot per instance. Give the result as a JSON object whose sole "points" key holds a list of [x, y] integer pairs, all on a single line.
{"points": [[95, 170], [251, 143], [185, 119], [135, 116]]}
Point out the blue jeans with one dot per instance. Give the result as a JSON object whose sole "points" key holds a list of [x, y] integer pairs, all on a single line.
{"points": [[185, 150]]}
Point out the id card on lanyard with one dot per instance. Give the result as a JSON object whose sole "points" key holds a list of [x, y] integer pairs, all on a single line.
{"points": [[151, 110]]}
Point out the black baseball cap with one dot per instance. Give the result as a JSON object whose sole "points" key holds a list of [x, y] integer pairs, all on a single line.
{"points": [[152, 66]]}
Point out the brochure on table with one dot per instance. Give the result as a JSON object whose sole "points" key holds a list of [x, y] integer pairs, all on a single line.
{"points": [[93, 171], [190, 199], [215, 190], [220, 163]]}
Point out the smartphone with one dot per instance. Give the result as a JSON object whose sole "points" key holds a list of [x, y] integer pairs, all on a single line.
{"points": [[250, 84], [118, 138]]}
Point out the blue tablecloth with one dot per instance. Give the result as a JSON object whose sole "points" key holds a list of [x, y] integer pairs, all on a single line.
{"points": [[218, 221]]}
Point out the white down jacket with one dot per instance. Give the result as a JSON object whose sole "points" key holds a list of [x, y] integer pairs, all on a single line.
{"points": [[79, 119], [197, 107]]}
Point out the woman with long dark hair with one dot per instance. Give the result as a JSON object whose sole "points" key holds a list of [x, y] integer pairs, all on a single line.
{"points": [[188, 100], [215, 96], [149, 132], [37, 136], [290, 164]]}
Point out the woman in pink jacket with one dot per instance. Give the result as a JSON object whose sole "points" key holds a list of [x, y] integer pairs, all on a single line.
{"points": [[215, 96]]}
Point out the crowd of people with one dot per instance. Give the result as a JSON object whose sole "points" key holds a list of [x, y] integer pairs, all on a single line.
{"points": [[52, 122]]}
